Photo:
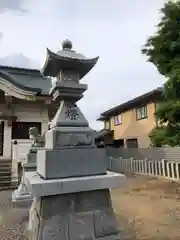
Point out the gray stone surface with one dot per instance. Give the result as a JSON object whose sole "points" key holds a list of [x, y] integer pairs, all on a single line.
{"points": [[37, 139], [18, 196], [53, 164], [69, 114], [105, 223], [30, 167], [31, 157], [74, 61], [81, 226], [55, 228], [34, 220], [69, 136], [63, 217], [96, 200], [21, 194], [40, 187]]}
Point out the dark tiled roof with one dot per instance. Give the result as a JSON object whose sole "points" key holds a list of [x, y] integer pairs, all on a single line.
{"points": [[102, 133], [27, 79], [158, 92]]}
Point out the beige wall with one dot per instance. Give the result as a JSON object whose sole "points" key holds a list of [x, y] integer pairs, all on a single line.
{"points": [[132, 128]]}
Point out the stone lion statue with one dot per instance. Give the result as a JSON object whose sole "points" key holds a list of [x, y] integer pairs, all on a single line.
{"points": [[35, 136]]}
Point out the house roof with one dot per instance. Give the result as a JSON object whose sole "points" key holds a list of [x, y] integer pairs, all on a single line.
{"points": [[102, 133], [26, 81], [154, 94]]}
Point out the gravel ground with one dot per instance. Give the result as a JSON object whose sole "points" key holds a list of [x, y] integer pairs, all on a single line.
{"points": [[13, 221]]}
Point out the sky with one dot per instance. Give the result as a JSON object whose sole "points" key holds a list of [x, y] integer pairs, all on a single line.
{"points": [[114, 30]]}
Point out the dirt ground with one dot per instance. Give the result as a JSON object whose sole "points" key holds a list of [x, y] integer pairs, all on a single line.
{"points": [[148, 208]]}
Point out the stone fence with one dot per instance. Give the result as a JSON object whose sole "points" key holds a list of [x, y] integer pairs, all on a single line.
{"points": [[163, 168], [154, 154]]}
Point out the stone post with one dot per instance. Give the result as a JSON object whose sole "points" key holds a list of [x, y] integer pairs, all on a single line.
{"points": [[71, 184], [177, 171], [163, 161], [14, 175]]}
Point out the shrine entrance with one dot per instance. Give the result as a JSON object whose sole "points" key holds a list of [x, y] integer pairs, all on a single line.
{"points": [[1, 138]]}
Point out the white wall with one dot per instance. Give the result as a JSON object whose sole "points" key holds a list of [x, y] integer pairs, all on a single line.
{"points": [[24, 114], [7, 151]]}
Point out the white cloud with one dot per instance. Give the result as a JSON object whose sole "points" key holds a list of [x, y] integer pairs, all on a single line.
{"points": [[12, 5], [115, 30], [19, 60]]}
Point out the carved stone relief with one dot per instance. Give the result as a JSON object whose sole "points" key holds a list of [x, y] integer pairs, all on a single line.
{"points": [[72, 114], [76, 139]]}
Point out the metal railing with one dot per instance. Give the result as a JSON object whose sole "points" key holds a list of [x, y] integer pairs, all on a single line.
{"points": [[163, 168]]}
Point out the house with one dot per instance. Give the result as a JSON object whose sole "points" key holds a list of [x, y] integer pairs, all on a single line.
{"points": [[128, 124], [24, 102]]}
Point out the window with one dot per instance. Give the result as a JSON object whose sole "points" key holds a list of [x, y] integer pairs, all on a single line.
{"points": [[141, 112], [117, 120], [107, 124], [20, 130]]}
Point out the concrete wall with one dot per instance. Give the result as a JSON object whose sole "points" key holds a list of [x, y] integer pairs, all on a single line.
{"points": [[132, 128], [163, 168], [155, 154]]}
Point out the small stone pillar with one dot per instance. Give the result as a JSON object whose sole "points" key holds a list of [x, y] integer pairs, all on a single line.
{"points": [[21, 194], [14, 174], [71, 185]]}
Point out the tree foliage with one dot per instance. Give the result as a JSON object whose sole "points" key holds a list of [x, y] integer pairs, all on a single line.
{"points": [[163, 50]]}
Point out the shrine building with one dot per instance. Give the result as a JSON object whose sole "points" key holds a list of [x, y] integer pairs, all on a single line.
{"points": [[24, 102]]}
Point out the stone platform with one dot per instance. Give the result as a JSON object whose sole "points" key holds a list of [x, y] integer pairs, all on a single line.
{"points": [[39, 187], [75, 162], [85, 215], [20, 198]]}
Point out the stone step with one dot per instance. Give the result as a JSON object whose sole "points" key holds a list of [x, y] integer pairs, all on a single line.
{"points": [[2, 161], [7, 173], [11, 186], [5, 180], [5, 170], [5, 165], [5, 176], [5, 183]]}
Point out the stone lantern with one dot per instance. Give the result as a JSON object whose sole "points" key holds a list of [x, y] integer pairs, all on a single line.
{"points": [[71, 184]]}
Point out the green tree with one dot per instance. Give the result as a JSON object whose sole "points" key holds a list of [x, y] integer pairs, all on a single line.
{"points": [[163, 50]]}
